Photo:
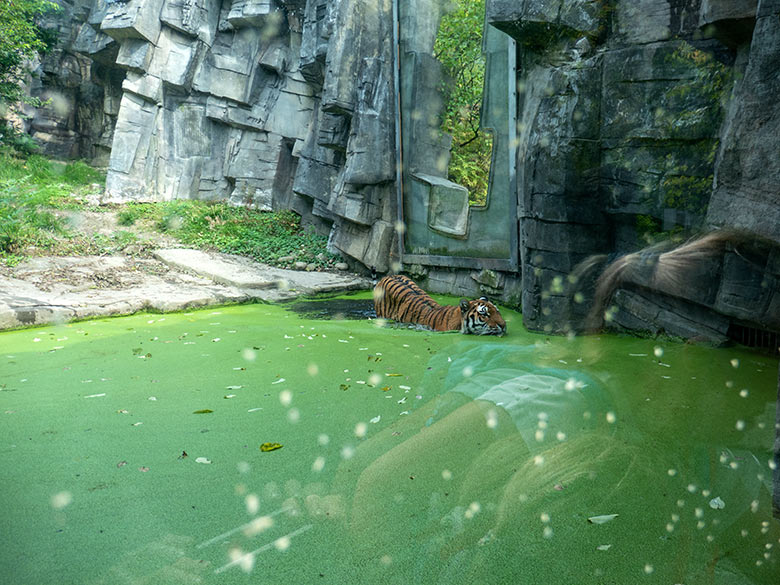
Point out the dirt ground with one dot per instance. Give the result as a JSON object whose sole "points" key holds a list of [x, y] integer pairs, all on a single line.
{"points": [[154, 272], [48, 273]]}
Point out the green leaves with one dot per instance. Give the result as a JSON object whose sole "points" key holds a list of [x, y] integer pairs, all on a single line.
{"points": [[459, 49], [20, 40], [264, 236]]}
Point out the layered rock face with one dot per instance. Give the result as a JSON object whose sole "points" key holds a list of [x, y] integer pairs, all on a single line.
{"points": [[640, 118], [634, 120], [264, 103]]}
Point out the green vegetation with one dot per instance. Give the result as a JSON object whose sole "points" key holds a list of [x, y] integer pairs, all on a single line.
{"points": [[21, 40], [690, 109], [35, 193], [459, 49], [268, 237], [30, 189], [695, 108]]}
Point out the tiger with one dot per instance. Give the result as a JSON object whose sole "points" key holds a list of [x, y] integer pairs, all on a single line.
{"points": [[397, 297]]}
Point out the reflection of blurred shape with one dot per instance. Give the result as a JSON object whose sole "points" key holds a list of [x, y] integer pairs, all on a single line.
{"points": [[162, 561], [708, 287], [541, 401], [466, 483], [261, 525], [473, 458]]}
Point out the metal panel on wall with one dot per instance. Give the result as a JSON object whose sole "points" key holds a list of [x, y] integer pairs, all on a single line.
{"points": [[442, 224]]}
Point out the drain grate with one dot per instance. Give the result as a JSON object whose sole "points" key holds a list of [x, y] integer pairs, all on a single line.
{"points": [[755, 337]]}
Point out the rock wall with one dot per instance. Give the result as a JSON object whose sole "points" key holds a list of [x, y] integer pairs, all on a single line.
{"points": [[265, 103], [635, 119]]}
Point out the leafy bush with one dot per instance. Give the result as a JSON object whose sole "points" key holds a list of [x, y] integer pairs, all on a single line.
{"points": [[128, 216], [459, 49], [22, 219], [31, 187], [80, 173], [264, 236]]}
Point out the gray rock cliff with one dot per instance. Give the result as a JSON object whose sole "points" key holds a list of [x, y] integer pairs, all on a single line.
{"points": [[634, 121]]}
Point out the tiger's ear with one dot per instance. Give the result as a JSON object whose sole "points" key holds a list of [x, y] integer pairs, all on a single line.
{"points": [[464, 305], [484, 299]]}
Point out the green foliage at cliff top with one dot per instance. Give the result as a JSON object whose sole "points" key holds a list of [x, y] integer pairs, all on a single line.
{"points": [[459, 49], [20, 40]]}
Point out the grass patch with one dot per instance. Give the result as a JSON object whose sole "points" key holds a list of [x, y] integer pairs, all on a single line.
{"points": [[274, 238], [31, 188]]}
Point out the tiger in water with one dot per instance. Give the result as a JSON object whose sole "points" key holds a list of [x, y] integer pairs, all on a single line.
{"points": [[398, 298]]}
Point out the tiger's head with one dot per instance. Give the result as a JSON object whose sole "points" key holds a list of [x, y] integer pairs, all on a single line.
{"points": [[481, 317]]}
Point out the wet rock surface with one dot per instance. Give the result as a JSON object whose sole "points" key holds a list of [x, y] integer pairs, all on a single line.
{"points": [[43, 291]]}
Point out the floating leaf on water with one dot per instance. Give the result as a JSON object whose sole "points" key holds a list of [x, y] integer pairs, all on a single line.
{"points": [[394, 375], [602, 519], [604, 547], [402, 401], [203, 411], [344, 386], [121, 464], [153, 398], [558, 487], [233, 387], [228, 396], [717, 503], [202, 460], [265, 447], [386, 388], [137, 424], [95, 395], [143, 469], [183, 455], [279, 381], [376, 419]]}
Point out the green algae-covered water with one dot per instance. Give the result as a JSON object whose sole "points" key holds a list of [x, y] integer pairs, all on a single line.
{"points": [[130, 453]]}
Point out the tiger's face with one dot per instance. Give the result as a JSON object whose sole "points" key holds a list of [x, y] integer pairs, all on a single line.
{"points": [[481, 317]]}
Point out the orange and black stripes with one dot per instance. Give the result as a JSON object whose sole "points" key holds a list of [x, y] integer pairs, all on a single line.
{"points": [[398, 298]]}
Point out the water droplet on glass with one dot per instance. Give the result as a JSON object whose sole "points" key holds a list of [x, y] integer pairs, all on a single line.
{"points": [[252, 504], [61, 500], [360, 430]]}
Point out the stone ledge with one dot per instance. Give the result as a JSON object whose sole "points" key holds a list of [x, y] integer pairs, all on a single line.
{"points": [[51, 291]]}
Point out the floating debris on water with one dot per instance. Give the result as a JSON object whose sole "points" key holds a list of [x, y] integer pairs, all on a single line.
{"points": [[602, 519]]}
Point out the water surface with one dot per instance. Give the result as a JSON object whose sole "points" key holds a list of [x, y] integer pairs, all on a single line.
{"points": [[130, 451]]}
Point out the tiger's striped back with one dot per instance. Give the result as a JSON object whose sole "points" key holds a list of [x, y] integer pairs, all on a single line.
{"points": [[397, 297]]}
